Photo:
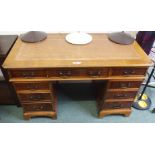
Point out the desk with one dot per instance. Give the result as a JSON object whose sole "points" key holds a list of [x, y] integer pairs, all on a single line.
{"points": [[34, 68]]}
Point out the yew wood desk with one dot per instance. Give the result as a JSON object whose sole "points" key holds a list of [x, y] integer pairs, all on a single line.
{"points": [[34, 68]]}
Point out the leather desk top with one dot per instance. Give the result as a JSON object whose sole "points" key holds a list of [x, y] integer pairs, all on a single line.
{"points": [[55, 52]]}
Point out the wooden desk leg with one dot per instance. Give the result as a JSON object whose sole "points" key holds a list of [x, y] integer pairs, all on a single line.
{"points": [[125, 112], [26, 117], [29, 115]]}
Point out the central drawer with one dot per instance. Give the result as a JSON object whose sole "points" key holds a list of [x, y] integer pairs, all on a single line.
{"points": [[33, 97], [83, 72]]}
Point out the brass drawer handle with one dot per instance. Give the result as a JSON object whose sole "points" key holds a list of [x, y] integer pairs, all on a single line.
{"points": [[94, 73], [128, 72], [120, 95], [125, 85], [32, 87], [24, 74], [65, 74], [36, 97], [117, 106], [38, 108], [28, 74]]}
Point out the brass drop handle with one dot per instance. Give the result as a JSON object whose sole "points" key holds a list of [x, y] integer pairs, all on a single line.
{"points": [[120, 95], [32, 87], [36, 97], [32, 97], [41, 107], [38, 108], [94, 73], [28, 74], [125, 85], [65, 74], [39, 97], [24, 74], [117, 106], [127, 72], [61, 73]]}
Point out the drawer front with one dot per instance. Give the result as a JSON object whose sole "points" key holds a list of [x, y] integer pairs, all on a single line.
{"points": [[32, 86], [84, 72], [124, 84], [117, 105], [35, 97], [95, 72], [37, 107], [27, 73], [63, 73], [121, 95], [128, 71]]}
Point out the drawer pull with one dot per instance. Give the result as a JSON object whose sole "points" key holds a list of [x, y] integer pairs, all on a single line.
{"points": [[65, 74], [32, 87], [117, 106], [38, 108], [128, 72], [36, 97], [120, 95], [125, 85], [94, 73], [28, 74]]}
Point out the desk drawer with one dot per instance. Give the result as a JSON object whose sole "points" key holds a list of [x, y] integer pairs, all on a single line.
{"points": [[33, 97], [37, 107], [121, 94], [63, 73], [117, 105], [124, 84], [32, 86], [27, 73], [83, 72], [95, 72], [128, 71]]}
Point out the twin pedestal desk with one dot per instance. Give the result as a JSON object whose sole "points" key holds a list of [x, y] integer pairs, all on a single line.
{"points": [[117, 72]]}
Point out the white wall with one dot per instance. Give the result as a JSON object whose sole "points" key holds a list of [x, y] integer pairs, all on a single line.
{"points": [[10, 32], [68, 16]]}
